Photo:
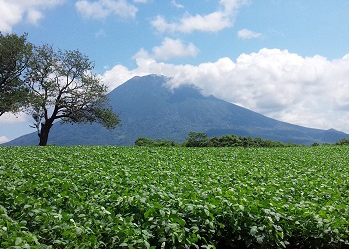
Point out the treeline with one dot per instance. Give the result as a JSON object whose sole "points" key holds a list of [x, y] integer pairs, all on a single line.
{"points": [[143, 141], [196, 139], [343, 142]]}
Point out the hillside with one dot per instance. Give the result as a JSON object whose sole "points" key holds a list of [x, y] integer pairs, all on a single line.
{"points": [[147, 108]]}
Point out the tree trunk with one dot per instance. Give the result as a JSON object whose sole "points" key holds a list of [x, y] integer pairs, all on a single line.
{"points": [[43, 135]]}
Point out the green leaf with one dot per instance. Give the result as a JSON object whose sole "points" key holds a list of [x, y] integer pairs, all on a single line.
{"points": [[147, 213], [18, 241], [147, 245]]}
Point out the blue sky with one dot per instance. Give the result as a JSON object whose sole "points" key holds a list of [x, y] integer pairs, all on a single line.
{"points": [[286, 59]]}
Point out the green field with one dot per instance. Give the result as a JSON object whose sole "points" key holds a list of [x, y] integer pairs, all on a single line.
{"points": [[113, 197]]}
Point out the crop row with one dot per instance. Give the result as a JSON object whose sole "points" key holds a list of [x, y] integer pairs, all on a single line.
{"points": [[111, 197]]}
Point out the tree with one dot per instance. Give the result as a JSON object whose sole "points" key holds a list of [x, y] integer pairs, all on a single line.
{"points": [[15, 54], [344, 141], [229, 141], [62, 87], [196, 139], [143, 141]]}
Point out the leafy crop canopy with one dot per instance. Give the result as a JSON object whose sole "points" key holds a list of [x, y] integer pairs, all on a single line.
{"points": [[111, 197]]}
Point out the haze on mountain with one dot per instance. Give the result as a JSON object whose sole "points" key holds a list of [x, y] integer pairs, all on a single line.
{"points": [[149, 108]]}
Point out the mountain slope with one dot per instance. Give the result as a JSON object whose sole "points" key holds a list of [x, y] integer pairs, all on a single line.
{"points": [[147, 108]]}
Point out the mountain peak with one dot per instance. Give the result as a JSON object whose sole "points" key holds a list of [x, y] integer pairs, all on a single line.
{"points": [[335, 131], [149, 108], [148, 78]]}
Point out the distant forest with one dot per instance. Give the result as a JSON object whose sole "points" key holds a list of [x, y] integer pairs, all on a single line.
{"points": [[196, 139]]}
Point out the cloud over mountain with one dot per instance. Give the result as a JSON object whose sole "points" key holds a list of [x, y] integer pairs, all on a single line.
{"points": [[310, 91]]}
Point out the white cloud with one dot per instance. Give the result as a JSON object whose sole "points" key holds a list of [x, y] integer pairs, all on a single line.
{"points": [[34, 16], [4, 139], [103, 8], [118, 75], [177, 5], [212, 22], [141, 1], [15, 11], [170, 48], [9, 118], [309, 91], [248, 34]]}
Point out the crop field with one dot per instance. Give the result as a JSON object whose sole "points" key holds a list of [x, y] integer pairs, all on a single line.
{"points": [[139, 197]]}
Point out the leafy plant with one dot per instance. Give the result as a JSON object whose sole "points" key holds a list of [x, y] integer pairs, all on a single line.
{"points": [[147, 197]]}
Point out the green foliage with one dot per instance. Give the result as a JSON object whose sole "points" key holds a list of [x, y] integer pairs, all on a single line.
{"points": [[196, 139], [142, 141], [113, 197], [63, 88], [15, 53], [234, 141], [343, 142], [165, 143]]}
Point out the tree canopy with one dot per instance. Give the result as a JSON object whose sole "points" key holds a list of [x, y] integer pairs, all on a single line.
{"points": [[62, 87], [15, 55], [198, 139], [344, 141]]}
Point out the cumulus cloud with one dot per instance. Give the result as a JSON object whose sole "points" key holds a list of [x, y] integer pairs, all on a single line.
{"points": [[248, 34], [170, 48], [212, 22], [15, 11], [309, 91], [4, 139], [104, 8]]}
